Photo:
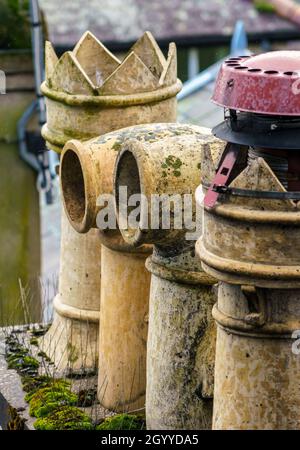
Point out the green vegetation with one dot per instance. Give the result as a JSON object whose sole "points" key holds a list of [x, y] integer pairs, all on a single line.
{"points": [[40, 331], [41, 382], [64, 418], [14, 24], [264, 6], [86, 397], [44, 355], [22, 362], [31, 385], [48, 399], [51, 400], [122, 422], [172, 163], [18, 358], [34, 341]]}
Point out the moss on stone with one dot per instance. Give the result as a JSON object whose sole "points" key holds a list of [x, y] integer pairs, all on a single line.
{"points": [[117, 146], [122, 422], [34, 341], [64, 418], [86, 397], [44, 356], [48, 399], [32, 384], [40, 331], [53, 403], [172, 163], [19, 358], [13, 345], [22, 362]]}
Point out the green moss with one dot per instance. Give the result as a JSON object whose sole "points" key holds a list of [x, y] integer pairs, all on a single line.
{"points": [[47, 399], [64, 418], [32, 384], [13, 345], [122, 422], [50, 400], [22, 362], [37, 332], [29, 361], [264, 6], [172, 163], [86, 397], [13, 357], [18, 358], [44, 356], [117, 145], [34, 341]]}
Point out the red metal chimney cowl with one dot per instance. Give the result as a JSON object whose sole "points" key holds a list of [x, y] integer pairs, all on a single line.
{"points": [[261, 95], [267, 84]]}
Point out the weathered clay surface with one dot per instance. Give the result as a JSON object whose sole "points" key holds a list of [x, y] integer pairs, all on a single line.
{"points": [[89, 91], [181, 349], [251, 244], [74, 114], [72, 339], [124, 280], [69, 76], [50, 60], [256, 374], [131, 76], [91, 165], [181, 337], [253, 241], [123, 330], [97, 62]]}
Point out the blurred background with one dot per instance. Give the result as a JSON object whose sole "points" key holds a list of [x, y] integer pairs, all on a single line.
{"points": [[205, 33]]}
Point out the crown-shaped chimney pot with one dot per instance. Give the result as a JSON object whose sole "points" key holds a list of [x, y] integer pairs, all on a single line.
{"points": [[148, 51], [132, 76], [95, 59], [89, 91], [50, 60], [70, 77], [91, 69]]}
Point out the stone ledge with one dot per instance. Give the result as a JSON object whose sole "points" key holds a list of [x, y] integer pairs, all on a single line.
{"points": [[12, 396]]}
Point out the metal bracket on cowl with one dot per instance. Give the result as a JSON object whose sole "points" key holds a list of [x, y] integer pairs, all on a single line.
{"points": [[223, 175]]}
